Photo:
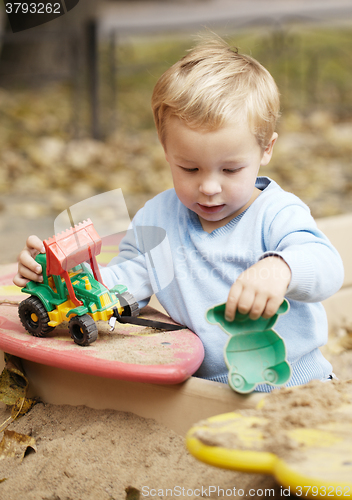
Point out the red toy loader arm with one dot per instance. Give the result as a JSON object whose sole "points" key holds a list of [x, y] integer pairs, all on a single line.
{"points": [[70, 248]]}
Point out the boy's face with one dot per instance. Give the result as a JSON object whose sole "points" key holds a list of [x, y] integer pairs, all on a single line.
{"points": [[214, 173]]}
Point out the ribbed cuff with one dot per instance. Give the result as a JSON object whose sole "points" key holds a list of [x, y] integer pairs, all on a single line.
{"points": [[302, 273], [219, 378]]}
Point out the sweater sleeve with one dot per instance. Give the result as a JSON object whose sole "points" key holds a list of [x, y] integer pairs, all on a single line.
{"points": [[144, 263], [316, 267], [129, 268]]}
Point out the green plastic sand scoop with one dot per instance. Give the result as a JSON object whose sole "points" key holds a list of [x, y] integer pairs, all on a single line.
{"points": [[254, 353]]}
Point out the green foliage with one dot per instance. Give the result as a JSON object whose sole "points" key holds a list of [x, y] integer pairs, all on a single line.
{"points": [[311, 65], [139, 63]]}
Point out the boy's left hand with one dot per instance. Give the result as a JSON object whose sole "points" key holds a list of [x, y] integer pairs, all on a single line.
{"points": [[259, 290]]}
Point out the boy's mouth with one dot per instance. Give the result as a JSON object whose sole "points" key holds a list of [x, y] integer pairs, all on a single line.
{"points": [[210, 209]]}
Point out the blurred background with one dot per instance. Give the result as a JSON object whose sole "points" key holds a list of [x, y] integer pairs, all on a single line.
{"points": [[75, 116]]}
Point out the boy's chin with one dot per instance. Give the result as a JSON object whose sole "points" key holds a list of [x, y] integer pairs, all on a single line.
{"points": [[219, 219], [209, 223]]}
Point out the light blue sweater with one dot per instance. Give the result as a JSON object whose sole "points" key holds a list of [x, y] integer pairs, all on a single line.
{"points": [[168, 253]]}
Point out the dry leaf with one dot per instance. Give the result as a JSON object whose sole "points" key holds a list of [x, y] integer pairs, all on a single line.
{"points": [[346, 341], [14, 445], [13, 383], [132, 493], [22, 406]]}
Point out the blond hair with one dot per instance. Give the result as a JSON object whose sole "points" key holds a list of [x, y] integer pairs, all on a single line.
{"points": [[214, 85]]}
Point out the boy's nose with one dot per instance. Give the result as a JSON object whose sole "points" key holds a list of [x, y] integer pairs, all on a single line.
{"points": [[209, 187]]}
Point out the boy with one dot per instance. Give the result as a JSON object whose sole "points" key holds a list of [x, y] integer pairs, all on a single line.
{"points": [[233, 237]]}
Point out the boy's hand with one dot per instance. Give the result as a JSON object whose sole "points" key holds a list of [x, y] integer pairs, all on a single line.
{"points": [[260, 289], [28, 268]]}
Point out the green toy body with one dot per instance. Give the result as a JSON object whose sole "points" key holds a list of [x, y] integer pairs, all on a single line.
{"points": [[254, 353]]}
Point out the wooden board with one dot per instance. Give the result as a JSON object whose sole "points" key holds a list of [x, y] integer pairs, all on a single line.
{"points": [[130, 352]]}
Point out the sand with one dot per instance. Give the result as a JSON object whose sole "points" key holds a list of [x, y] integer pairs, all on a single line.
{"points": [[97, 454], [280, 417], [90, 454]]}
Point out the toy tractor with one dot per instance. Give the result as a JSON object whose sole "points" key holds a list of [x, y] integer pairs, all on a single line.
{"points": [[69, 292]]}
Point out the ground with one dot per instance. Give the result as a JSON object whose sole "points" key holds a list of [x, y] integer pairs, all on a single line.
{"points": [[88, 454]]}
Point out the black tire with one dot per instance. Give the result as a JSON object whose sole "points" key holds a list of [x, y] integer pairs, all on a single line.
{"points": [[83, 330], [129, 304], [34, 317]]}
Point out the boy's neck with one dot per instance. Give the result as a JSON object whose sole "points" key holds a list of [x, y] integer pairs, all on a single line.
{"points": [[210, 226]]}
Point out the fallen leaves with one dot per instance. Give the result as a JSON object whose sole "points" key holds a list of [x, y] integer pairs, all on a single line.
{"points": [[13, 388], [13, 383], [13, 391], [59, 173], [340, 339], [344, 335], [307, 147], [132, 493], [14, 445], [44, 170]]}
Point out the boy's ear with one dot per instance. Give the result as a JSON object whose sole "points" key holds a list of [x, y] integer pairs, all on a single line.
{"points": [[268, 152]]}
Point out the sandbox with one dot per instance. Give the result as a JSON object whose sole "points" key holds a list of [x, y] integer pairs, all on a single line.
{"points": [[179, 406]]}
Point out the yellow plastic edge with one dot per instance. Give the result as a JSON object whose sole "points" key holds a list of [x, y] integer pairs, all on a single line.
{"points": [[266, 463], [240, 460], [301, 485]]}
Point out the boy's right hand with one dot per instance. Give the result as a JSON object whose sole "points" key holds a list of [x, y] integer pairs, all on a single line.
{"points": [[28, 268]]}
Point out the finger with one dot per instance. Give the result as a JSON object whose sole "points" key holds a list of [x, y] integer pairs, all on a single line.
{"points": [[272, 306], [20, 281], [27, 260], [245, 301], [26, 273], [232, 300], [33, 242], [258, 307]]}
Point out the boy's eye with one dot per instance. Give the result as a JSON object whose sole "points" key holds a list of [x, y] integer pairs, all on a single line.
{"points": [[232, 170], [189, 169]]}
